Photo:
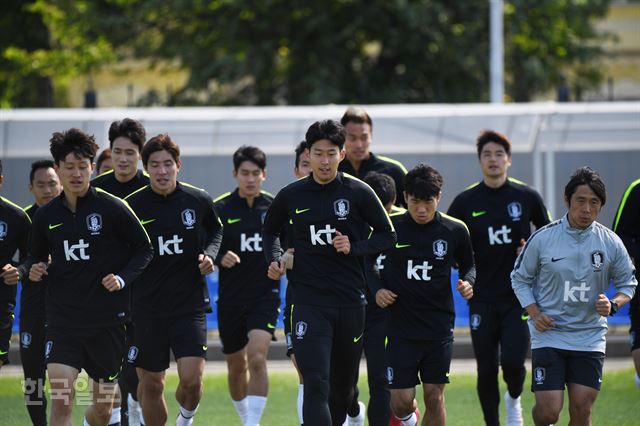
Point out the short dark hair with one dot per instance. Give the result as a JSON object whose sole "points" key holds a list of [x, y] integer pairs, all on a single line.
{"points": [[37, 165], [72, 141], [128, 128], [160, 143], [249, 153], [356, 115], [104, 155], [487, 136], [299, 150], [325, 129], [423, 182], [383, 185], [586, 176]]}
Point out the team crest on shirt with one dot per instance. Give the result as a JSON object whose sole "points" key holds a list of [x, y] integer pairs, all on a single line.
{"points": [[390, 375], [515, 210], [539, 374], [188, 218], [47, 348], [132, 355], [25, 340], [301, 329], [4, 230], [597, 260], [475, 321], [440, 248], [341, 208], [94, 223]]}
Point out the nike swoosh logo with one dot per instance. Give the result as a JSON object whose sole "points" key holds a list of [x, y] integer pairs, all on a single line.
{"points": [[231, 221], [113, 377], [298, 211], [3, 353], [271, 326], [205, 347], [554, 259], [54, 226], [476, 214], [524, 317], [144, 222], [399, 246], [357, 339]]}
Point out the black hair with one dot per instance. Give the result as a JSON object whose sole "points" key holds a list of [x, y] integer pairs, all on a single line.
{"points": [[72, 141], [128, 128], [356, 115], [299, 150], [160, 143], [325, 129], [423, 182], [487, 136], [383, 185], [586, 176], [37, 165], [249, 153]]}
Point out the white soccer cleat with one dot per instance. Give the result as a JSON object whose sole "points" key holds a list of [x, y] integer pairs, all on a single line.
{"points": [[514, 410], [359, 420]]}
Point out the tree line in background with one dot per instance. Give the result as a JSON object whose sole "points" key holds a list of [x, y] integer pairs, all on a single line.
{"points": [[296, 52]]}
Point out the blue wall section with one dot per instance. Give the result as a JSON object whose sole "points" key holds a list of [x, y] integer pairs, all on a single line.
{"points": [[462, 310]]}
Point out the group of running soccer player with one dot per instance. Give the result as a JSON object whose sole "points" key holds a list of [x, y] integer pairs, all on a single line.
{"points": [[113, 278]]}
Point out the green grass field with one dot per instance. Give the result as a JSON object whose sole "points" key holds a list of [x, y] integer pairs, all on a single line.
{"points": [[617, 404]]}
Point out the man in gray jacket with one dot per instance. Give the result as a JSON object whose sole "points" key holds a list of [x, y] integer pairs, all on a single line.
{"points": [[560, 278]]}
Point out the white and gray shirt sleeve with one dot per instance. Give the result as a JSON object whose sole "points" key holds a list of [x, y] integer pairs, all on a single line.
{"points": [[525, 272]]}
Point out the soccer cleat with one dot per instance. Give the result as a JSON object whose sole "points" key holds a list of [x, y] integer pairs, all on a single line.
{"points": [[359, 419], [514, 410], [183, 421]]}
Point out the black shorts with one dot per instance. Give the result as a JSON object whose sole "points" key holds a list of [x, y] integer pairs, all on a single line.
{"points": [[235, 322], [408, 358], [154, 337], [6, 323], [553, 368], [96, 350]]}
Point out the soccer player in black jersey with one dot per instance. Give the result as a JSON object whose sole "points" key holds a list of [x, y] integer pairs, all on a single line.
{"points": [[248, 301], [126, 139], [96, 248], [44, 184], [498, 211], [301, 169], [627, 225], [359, 160], [170, 298], [337, 220], [416, 281], [14, 231]]}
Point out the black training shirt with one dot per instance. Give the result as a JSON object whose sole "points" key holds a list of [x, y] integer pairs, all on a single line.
{"points": [[498, 218], [14, 234], [322, 276], [109, 183], [418, 270], [33, 294], [181, 226], [247, 280], [102, 237]]}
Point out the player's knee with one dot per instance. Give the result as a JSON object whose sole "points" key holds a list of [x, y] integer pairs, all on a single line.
{"points": [[433, 398], [257, 362], [191, 385], [316, 385], [580, 409], [237, 367], [152, 386], [102, 412], [545, 414]]}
